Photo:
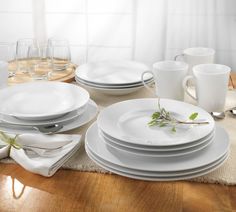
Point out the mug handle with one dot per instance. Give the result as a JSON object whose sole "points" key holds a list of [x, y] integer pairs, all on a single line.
{"points": [[179, 55], [144, 83], [185, 86]]}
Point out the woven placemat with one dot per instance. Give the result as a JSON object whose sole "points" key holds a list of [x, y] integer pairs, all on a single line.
{"points": [[226, 174]]}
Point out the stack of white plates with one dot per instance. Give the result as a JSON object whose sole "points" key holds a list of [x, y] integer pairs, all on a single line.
{"points": [[30, 106], [113, 77], [122, 142]]}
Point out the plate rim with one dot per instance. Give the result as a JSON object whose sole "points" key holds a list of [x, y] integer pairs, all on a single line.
{"points": [[159, 178], [79, 68], [116, 136], [154, 158]]}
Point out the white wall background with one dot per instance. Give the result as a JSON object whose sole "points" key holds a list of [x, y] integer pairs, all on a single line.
{"points": [[143, 30]]}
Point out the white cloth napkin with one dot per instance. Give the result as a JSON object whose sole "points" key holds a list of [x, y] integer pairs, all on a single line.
{"points": [[42, 154]]}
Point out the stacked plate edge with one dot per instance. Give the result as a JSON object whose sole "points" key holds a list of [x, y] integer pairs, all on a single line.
{"points": [[112, 77]]}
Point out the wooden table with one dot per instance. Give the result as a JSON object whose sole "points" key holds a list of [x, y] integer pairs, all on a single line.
{"points": [[82, 191]]}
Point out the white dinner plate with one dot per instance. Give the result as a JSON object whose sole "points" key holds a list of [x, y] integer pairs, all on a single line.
{"points": [[155, 174], [111, 86], [116, 92], [128, 121], [67, 117], [87, 116], [112, 72], [154, 177], [204, 157], [160, 148], [41, 100]]}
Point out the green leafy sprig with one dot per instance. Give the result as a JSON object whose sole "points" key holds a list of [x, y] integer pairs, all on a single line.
{"points": [[163, 118]]}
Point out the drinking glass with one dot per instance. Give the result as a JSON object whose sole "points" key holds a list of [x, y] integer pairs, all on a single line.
{"points": [[8, 54], [46, 58], [22, 49], [60, 53], [3, 74], [39, 63], [33, 58]]}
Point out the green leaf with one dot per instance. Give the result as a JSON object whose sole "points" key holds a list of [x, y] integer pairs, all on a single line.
{"points": [[156, 115], [162, 124], [193, 116], [152, 123], [173, 129]]}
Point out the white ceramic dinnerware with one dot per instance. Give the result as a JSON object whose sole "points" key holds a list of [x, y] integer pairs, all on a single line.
{"points": [[67, 117], [42, 100], [113, 90], [153, 177], [112, 77], [168, 76], [197, 55], [183, 150], [128, 121], [162, 168], [3, 74], [156, 153], [211, 82], [67, 123], [145, 148], [112, 72]]}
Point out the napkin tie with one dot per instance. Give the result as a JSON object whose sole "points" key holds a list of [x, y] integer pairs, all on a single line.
{"points": [[10, 141]]}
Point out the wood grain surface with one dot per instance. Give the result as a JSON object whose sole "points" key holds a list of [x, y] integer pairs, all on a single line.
{"points": [[83, 191], [233, 80], [67, 75], [71, 190]]}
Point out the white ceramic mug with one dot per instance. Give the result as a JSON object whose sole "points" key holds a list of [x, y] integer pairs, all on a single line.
{"points": [[197, 55], [168, 76], [211, 82], [3, 74]]}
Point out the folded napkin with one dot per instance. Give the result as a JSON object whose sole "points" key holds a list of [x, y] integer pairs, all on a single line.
{"points": [[40, 154]]}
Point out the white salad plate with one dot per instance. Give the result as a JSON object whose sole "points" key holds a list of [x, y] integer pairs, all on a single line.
{"points": [[118, 72], [159, 148], [41, 100], [156, 177], [76, 122], [128, 121], [213, 152]]}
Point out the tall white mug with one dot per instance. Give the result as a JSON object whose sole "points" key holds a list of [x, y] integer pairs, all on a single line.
{"points": [[168, 77], [197, 55], [3, 74], [211, 84]]}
